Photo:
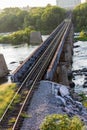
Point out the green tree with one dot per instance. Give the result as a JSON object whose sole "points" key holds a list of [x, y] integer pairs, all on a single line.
{"points": [[20, 19], [12, 19], [52, 17], [42, 19], [34, 18], [79, 17]]}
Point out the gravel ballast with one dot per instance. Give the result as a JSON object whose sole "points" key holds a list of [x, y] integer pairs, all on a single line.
{"points": [[42, 104]]}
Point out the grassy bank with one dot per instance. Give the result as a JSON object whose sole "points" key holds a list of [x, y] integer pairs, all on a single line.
{"points": [[22, 36], [82, 36], [80, 39], [6, 93]]}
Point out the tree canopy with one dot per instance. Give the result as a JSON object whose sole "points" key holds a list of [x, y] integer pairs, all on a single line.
{"points": [[44, 19], [80, 17], [11, 19], [51, 17]]}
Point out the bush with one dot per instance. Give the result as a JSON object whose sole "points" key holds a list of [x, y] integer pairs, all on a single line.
{"points": [[61, 122], [82, 34], [22, 36], [83, 99]]}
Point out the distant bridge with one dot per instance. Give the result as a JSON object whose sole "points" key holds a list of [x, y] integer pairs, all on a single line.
{"points": [[43, 62]]}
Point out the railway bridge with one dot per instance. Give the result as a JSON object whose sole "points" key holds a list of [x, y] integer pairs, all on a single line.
{"points": [[50, 59]]}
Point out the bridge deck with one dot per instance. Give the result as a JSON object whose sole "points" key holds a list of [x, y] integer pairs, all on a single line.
{"points": [[33, 70], [21, 72]]}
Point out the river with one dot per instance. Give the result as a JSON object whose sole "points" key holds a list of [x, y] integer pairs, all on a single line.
{"points": [[14, 54], [79, 66]]}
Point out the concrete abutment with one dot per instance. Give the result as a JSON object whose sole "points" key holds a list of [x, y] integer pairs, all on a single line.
{"points": [[3, 67]]}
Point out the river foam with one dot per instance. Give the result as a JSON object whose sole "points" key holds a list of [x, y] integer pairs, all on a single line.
{"points": [[79, 65]]}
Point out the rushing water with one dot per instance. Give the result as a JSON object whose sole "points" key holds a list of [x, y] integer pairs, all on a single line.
{"points": [[79, 63], [15, 54]]}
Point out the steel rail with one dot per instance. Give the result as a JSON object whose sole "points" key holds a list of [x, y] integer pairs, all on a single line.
{"points": [[43, 44], [42, 67], [32, 87], [55, 60], [42, 56], [33, 69]]}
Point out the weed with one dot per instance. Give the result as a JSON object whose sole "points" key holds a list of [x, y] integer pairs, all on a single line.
{"points": [[11, 121], [25, 115]]}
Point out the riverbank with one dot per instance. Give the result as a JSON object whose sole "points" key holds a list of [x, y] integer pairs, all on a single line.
{"points": [[18, 37], [82, 36], [80, 39]]}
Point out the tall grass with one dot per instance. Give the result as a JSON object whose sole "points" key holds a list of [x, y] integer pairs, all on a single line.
{"points": [[6, 93]]}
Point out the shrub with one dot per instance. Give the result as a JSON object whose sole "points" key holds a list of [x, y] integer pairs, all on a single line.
{"points": [[61, 122], [82, 34], [83, 99], [85, 104], [22, 36]]}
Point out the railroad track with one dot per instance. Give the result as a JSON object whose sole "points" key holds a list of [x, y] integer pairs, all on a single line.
{"points": [[12, 116], [21, 72]]}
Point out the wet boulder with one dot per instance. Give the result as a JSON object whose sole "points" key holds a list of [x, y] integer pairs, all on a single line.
{"points": [[85, 85], [69, 99], [61, 101], [70, 75], [79, 105], [76, 46], [84, 70], [64, 91], [55, 89], [13, 62]]}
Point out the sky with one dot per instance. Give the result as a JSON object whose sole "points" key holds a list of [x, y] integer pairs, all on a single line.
{"points": [[23, 3]]}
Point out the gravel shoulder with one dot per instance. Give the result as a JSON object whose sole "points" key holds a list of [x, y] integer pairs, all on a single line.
{"points": [[42, 104], [52, 98]]}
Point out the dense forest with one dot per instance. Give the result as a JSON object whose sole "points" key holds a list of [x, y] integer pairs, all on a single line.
{"points": [[22, 22], [80, 17], [44, 19]]}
